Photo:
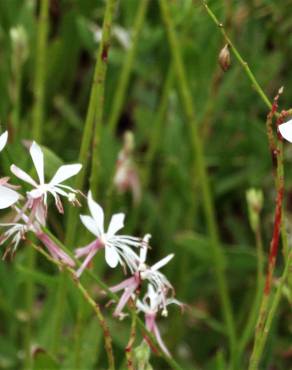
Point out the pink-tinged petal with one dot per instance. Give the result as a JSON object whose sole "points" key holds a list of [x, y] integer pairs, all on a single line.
{"points": [[65, 172], [162, 262], [79, 252], [159, 339], [7, 197], [116, 223], [38, 160], [286, 130], [22, 175], [96, 212], [127, 283], [55, 250], [3, 140], [86, 262], [90, 224], [111, 256], [123, 300]]}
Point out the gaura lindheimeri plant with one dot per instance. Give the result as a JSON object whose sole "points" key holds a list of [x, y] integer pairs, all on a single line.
{"points": [[152, 303], [8, 196], [37, 197], [286, 130], [142, 272], [117, 247]]}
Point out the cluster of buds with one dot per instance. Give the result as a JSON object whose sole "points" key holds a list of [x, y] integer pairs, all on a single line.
{"points": [[129, 252]]}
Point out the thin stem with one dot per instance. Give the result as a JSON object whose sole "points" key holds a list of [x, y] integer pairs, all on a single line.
{"points": [[277, 153], [127, 65], [199, 170], [274, 305], [252, 318], [102, 59], [95, 306], [129, 348], [236, 53], [40, 70], [93, 107]]}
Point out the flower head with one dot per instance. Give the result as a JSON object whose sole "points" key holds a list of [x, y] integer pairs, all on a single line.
{"points": [[117, 247], [54, 187]]}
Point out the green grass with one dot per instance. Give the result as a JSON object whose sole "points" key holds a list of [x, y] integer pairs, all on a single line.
{"points": [[200, 143]]}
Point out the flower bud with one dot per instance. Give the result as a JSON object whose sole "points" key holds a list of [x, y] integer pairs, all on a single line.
{"points": [[255, 201], [224, 58], [19, 43], [142, 356]]}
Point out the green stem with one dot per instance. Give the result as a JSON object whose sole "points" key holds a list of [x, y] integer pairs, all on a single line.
{"points": [[40, 70], [236, 53], [17, 98], [93, 107], [102, 59], [127, 66], [251, 321], [199, 170]]}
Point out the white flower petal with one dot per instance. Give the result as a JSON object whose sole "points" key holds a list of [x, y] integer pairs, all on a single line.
{"points": [[38, 160], [286, 130], [111, 256], [7, 197], [90, 224], [96, 212], [116, 223], [22, 175], [3, 140], [65, 172], [162, 262]]}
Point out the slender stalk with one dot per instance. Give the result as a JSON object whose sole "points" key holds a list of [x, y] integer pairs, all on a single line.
{"points": [[129, 348], [252, 318], [38, 114], [102, 59], [127, 65], [96, 95], [40, 70], [238, 56], [95, 306], [274, 305], [94, 116], [277, 153], [199, 170]]}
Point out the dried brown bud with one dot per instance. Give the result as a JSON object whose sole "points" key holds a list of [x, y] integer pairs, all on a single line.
{"points": [[224, 58]]}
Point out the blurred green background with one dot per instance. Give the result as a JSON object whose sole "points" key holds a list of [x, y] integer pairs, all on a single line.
{"points": [[230, 119]]}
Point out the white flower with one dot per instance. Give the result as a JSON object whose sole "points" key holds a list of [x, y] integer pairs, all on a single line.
{"points": [[3, 140], [53, 187], [286, 130], [7, 195], [152, 273], [117, 247]]}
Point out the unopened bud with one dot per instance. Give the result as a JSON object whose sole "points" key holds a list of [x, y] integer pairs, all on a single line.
{"points": [[255, 201], [142, 356], [19, 43], [224, 58]]}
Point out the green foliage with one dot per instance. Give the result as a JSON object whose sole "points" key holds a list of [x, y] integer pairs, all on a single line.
{"points": [[230, 119]]}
